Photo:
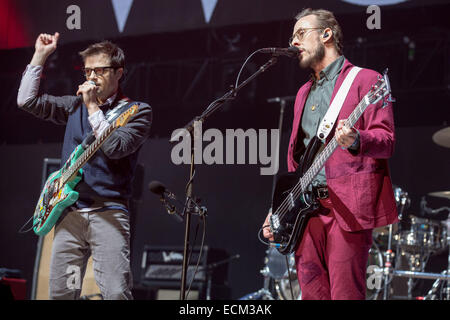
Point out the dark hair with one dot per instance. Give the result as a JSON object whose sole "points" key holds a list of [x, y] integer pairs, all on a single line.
{"points": [[114, 53], [326, 19]]}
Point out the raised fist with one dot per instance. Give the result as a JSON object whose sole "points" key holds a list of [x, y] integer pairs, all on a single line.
{"points": [[46, 43]]}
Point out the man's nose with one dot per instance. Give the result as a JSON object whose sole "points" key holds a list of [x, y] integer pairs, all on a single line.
{"points": [[92, 75]]}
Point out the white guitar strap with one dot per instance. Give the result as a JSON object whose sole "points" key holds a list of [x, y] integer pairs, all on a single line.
{"points": [[330, 117]]}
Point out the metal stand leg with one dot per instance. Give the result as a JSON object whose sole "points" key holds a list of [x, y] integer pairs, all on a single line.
{"points": [[263, 293], [448, 268], [387, 274], [432, 294]]}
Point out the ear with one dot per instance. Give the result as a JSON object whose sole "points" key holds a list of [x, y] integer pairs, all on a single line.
{"points": [[327, 35], [119, 73]]}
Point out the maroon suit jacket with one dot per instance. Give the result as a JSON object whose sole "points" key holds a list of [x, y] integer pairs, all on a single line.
{"points": [[359, 186]]}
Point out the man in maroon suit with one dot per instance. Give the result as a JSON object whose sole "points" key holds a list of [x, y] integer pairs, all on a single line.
{"points": [[356, 191]]}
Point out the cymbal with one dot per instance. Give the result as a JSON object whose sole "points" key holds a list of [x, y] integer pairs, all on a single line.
{"points": [[440, 194], [442, 137]]}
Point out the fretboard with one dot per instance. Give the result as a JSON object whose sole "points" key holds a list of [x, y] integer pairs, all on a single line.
{"points": [[88, 153], [320, 160]]}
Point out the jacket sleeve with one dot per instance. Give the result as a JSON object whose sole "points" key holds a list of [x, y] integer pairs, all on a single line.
{"points": [[44, 106], [127, 139], [51, 108], [376, 131]]}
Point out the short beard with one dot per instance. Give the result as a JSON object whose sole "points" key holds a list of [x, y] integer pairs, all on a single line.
{"points": [[316, 57]]}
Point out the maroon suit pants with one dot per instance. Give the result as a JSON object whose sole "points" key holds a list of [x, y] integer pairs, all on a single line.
{"points": [[331, 263]]}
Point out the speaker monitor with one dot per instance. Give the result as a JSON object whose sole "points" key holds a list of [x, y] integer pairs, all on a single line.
{"points": [[206, 276]]}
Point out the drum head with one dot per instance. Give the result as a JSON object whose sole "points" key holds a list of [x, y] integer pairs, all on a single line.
{"points": [[288, 287], [420, 235], [276, 264]]}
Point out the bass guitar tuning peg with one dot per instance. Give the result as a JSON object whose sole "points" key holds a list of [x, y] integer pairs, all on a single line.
{"points": [[389, 99]]}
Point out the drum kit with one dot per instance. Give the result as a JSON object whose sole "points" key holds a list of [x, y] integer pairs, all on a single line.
{"points": [[400, 250], [414, 240]]}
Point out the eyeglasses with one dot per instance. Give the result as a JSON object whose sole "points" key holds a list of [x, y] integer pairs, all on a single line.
{"points": [[98, 70], [300, 34]]}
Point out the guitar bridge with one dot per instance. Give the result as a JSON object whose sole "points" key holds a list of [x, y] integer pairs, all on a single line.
{"points": [[275, 222]]}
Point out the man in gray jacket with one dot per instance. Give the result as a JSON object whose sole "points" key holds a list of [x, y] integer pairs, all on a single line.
{"points": [[98, 223]]}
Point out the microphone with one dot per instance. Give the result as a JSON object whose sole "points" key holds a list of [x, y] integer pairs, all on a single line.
{"points": [[159, 189], [90, 82], [291, 52]]}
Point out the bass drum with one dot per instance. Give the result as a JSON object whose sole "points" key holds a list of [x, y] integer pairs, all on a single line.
{"points": [[374, 268], [288, 288]]}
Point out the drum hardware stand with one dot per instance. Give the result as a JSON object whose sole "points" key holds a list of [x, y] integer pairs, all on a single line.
{"points": [[415, 263], [388, 270], [289, 277], [263, 293], [422, 275], [432, 294], [448, 265], [402, 198]]}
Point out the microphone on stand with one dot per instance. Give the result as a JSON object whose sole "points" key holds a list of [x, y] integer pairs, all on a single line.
{"points": [[158, 188], [291, 52]]}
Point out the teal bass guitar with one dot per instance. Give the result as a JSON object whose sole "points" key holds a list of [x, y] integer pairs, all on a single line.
{"points": [[58, 192]]}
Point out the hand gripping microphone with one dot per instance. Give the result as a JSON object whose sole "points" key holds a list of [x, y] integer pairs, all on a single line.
{"points": [[291, 52], [80, 95]]}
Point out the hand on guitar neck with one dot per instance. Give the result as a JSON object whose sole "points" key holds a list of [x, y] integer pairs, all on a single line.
{"points": [[345, 136], [267, 232]]}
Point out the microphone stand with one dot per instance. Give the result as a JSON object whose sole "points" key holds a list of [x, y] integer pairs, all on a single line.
{"points": [[187, 212], [230, 95], [282, 102]]}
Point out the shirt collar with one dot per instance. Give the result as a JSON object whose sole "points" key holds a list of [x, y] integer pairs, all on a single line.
{"points": [[330, 71], [110, 100]]}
